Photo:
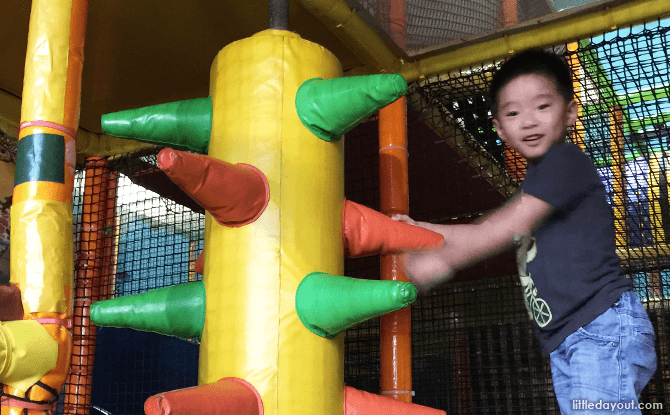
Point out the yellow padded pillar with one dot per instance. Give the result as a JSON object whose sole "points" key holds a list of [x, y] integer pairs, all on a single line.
{"points": [[251, 273], [656, 189]]}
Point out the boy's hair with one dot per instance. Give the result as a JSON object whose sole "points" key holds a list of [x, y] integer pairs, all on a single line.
{"points": [[533, 61]]}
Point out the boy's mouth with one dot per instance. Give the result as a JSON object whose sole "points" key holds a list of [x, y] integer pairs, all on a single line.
{"points": [[532, 138]]}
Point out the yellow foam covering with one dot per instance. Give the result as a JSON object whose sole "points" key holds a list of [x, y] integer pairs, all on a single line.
{"points": [[251, 273], [27, 353], [46, 62], [41, 255]]}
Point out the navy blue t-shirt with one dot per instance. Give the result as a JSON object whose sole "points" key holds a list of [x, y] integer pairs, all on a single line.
{"points": [[572, 271]]}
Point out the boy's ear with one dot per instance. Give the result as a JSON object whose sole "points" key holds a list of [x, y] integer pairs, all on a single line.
{"points": [[496, 124], [571, 113]]}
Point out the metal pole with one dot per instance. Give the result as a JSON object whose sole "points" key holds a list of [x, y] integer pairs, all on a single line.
{"points": [[278, 14]]}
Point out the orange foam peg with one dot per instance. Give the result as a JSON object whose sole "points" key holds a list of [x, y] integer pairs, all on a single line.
{"points": [[368, 232], [200, 263], [234, 194], [364, 403], [228, 396]]}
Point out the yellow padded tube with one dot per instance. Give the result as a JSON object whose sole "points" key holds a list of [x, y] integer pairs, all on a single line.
{"points": [[251, 273], [654, 194], [41, 213]]}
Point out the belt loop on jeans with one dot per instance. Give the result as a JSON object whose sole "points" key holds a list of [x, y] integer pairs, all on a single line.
{"points": [[616, 303]]}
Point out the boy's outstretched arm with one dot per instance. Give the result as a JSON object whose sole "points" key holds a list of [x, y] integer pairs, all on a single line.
{"points": [[465, 245]]}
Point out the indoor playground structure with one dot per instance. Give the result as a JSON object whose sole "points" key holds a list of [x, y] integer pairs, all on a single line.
{"points": [[201, 196]]}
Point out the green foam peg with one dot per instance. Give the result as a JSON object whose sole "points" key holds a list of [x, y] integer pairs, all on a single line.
{"points": [[184, 125], [329, 304], [331, 107], [177, 310]]}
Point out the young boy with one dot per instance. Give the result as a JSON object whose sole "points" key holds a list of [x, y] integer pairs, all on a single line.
{"points": [[587, 319]]}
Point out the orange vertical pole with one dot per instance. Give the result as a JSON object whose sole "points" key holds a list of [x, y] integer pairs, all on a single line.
{"points": [[618, 175], [514, 164], [573, 61], [111, 243], [509, 13], [396, 340], [398, 22], [461, 370], [192, 258], [90, 284], [396, 329]]}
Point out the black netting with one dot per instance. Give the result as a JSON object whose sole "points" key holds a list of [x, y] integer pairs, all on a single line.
{"points": [[474, 350], [134, 232]]}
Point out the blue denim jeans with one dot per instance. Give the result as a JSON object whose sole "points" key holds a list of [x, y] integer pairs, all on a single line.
{"points": [[606, 364]]}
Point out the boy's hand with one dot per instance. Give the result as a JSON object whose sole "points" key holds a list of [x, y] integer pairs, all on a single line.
{"points": [[403, 218], [406, 219], [427, 270]]}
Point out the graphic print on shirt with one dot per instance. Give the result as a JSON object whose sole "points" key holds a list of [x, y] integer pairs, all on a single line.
{"points": [[538, 309]]}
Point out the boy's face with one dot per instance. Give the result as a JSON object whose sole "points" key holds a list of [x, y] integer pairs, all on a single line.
{"points": [[532, 115]]}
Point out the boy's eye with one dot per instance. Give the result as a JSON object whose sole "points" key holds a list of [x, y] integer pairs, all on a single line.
{"points": [[511, 113], [543, 106]]}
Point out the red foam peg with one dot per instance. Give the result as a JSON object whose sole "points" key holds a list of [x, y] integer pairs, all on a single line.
{"points": [[234, 194], [368, 232], [228, 396], [364, 403]]}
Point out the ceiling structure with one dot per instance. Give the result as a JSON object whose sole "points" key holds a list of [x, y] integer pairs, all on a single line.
{"points": [[147, 52], [140, 53]]}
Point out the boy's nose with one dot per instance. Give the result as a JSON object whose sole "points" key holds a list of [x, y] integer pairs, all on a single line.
{"points": [[528, 120]]}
